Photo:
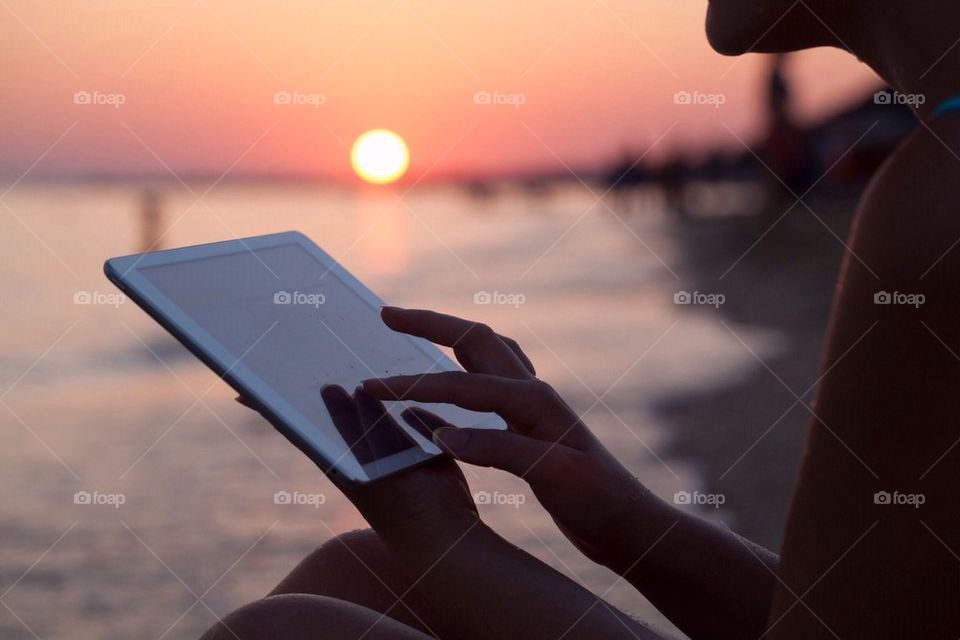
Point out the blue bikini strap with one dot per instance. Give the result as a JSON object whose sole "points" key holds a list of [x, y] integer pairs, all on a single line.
{"points": [[950, 104]]}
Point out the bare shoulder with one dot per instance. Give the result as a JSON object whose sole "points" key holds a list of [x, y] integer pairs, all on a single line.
{"points": [[908, 226], [885, 416], [893, 348], [903, 265]]}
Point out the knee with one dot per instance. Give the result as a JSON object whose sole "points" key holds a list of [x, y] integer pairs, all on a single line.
{"points": [[260, 619], [298, 616], [346, 552], [341, 567]]}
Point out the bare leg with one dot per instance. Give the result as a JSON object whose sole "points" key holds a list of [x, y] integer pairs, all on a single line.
{"points": [[308, 617], [356, 567]]}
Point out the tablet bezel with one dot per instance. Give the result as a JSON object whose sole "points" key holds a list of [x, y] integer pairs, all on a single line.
{"points": [[124, 272]]}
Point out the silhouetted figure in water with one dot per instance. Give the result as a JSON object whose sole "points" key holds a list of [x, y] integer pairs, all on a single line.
{"points": [[671, 175], [151, 220], [624, 182], [785, 150]]}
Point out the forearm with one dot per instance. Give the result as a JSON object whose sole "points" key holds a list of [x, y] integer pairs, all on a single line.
{"points": [[705, 578], [497, 590]]}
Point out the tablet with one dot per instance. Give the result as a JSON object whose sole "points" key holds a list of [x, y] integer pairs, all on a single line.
{"points": [[279, 320]]}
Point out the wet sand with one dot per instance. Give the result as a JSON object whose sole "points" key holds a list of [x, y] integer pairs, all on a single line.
{"points": [[746, 435]]}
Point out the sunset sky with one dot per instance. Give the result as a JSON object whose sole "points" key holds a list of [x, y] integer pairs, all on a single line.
{"points": [[580, 82]]}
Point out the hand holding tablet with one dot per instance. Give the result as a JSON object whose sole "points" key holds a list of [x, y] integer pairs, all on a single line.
{"points": [[295, 334]]}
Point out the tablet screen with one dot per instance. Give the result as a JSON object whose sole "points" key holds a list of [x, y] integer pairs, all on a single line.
{"points": [[298, 327]]}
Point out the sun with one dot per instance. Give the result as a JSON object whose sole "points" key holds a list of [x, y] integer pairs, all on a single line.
{"points": [[380, 156]]}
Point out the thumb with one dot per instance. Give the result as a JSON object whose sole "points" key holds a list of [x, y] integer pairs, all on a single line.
{"points": [[520, 455]]}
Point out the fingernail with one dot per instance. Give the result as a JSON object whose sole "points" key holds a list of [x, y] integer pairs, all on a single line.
{"points": [[361, 392], [389, 308], [451, 439]]}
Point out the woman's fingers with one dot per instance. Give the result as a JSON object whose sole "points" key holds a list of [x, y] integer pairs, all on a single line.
{"points": [[340, 406], [343, 413], [517, 351], [372, 413], [476, 345], [524, 404], [381, 431], [476, 391], [423, 421], [514, 453], [524, 457]]}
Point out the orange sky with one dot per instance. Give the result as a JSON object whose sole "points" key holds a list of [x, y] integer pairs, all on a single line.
{"points": [[198, 78]]}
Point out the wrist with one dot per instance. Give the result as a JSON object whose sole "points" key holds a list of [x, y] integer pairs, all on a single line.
{"points": [[642, 529], [430, 535]]}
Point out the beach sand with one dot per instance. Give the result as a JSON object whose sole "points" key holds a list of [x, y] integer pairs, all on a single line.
{"points": [[746, 434]]}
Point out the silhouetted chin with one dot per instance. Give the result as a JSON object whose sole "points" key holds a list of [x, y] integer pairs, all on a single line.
{"points": [[735, 27], [729, 27]]}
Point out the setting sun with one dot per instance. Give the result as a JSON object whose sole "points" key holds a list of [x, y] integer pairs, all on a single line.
{"points": [[379, 156]]}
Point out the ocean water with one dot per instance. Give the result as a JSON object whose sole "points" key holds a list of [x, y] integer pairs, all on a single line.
{"points": [[97, 398]]}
